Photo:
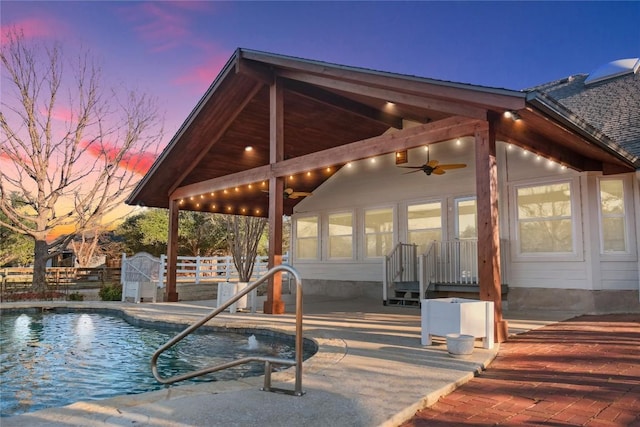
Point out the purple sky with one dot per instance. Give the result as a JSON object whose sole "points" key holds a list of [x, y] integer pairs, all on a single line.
{"points": [[174, 49]]}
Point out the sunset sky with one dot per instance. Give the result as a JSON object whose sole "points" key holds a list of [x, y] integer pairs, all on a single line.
{"points": [[174, 49]]}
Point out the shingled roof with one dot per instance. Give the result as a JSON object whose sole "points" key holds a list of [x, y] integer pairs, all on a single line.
{"points": [[610, 106]]}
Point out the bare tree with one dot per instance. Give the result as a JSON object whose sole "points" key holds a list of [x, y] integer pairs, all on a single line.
{"points": [[71, 148], [85, 245], [244, 234]]}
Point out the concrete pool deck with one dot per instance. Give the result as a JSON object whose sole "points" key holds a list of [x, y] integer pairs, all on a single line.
{"points": [[370, 370]]}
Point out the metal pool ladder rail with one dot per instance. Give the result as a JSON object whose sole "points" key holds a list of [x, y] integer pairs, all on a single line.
{"points": [[268, 361]]}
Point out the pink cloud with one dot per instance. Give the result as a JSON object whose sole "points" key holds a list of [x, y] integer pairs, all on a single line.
{"points": [[137, 162], [201, 76], [62, 114], [4, 156], [31, 28], [165, 25]]}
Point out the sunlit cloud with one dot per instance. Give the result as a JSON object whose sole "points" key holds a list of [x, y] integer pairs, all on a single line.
{"points": [[165, 25], [137, 162], [62, 114], [202, 75], [31, 28]]}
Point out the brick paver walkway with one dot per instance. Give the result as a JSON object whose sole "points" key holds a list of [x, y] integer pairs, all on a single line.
{"points": [[581, 372]]}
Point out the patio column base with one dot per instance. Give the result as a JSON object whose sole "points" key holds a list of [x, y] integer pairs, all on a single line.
{"points": [[273, 307], [501, 331], [172, 297]]}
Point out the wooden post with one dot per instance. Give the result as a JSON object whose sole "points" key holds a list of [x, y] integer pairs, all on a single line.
{"points": [[171, 294], [274, 303], [488, 230]]}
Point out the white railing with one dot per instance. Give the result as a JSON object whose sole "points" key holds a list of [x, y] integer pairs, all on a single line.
{"points": [[197, 269], [451, 262], [401, 265]]}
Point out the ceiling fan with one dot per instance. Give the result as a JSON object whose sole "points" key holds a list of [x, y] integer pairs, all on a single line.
{"points": [[289, 193], [434, 167]]}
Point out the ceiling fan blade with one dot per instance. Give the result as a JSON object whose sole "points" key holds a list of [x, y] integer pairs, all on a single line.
{"points": [[417, 170], [432, 163], [438, 171], [453, 166], [297, 194], [411, 167]]}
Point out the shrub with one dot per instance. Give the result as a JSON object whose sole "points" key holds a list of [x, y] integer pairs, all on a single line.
{"points": [[76, 296], [111, 292]]}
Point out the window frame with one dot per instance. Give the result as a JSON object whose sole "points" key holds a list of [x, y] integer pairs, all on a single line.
{"points": [[577, 253], [629, 231], [296, 239], [327, 217], [443, 214], [364, 234]]}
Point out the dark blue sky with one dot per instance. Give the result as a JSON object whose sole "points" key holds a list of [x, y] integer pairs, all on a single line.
{"points": [[175, 49]]}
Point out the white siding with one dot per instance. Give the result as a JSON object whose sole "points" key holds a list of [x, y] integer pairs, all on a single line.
{"points": [[368, 184]]}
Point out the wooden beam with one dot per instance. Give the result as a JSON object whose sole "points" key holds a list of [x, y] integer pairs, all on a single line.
{"points": [[488, 232], [391, 95], [426, 134], [255, 70], [499, 98], [442, 130], [274, 303], [261, 173], [222, 129], [519, 133], [345, 104], [171, 294]]}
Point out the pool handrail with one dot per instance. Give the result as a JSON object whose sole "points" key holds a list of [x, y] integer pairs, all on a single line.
{"points": [[297, 361]]}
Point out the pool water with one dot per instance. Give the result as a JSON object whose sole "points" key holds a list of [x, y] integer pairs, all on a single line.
{"points": [[54, 359]]}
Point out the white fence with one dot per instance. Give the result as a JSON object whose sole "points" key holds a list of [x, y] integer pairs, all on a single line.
{"points": [[197, 269]]}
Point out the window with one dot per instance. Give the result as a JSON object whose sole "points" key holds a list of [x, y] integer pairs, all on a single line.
{"points": [[340, 235], [466, 219], [424, 224], [307, 237], [613, 228], [544, 219], [378, 226]]}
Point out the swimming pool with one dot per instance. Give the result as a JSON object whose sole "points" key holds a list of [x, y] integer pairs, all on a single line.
{"points": [[54, 359]]}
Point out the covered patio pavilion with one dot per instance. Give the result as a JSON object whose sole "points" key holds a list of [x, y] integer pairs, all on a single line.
{"points": [[269, 118]]}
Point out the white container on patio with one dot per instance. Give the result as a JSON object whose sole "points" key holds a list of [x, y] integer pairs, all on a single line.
{"points": [[443, 316], [460, 345], [226, 290]]}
